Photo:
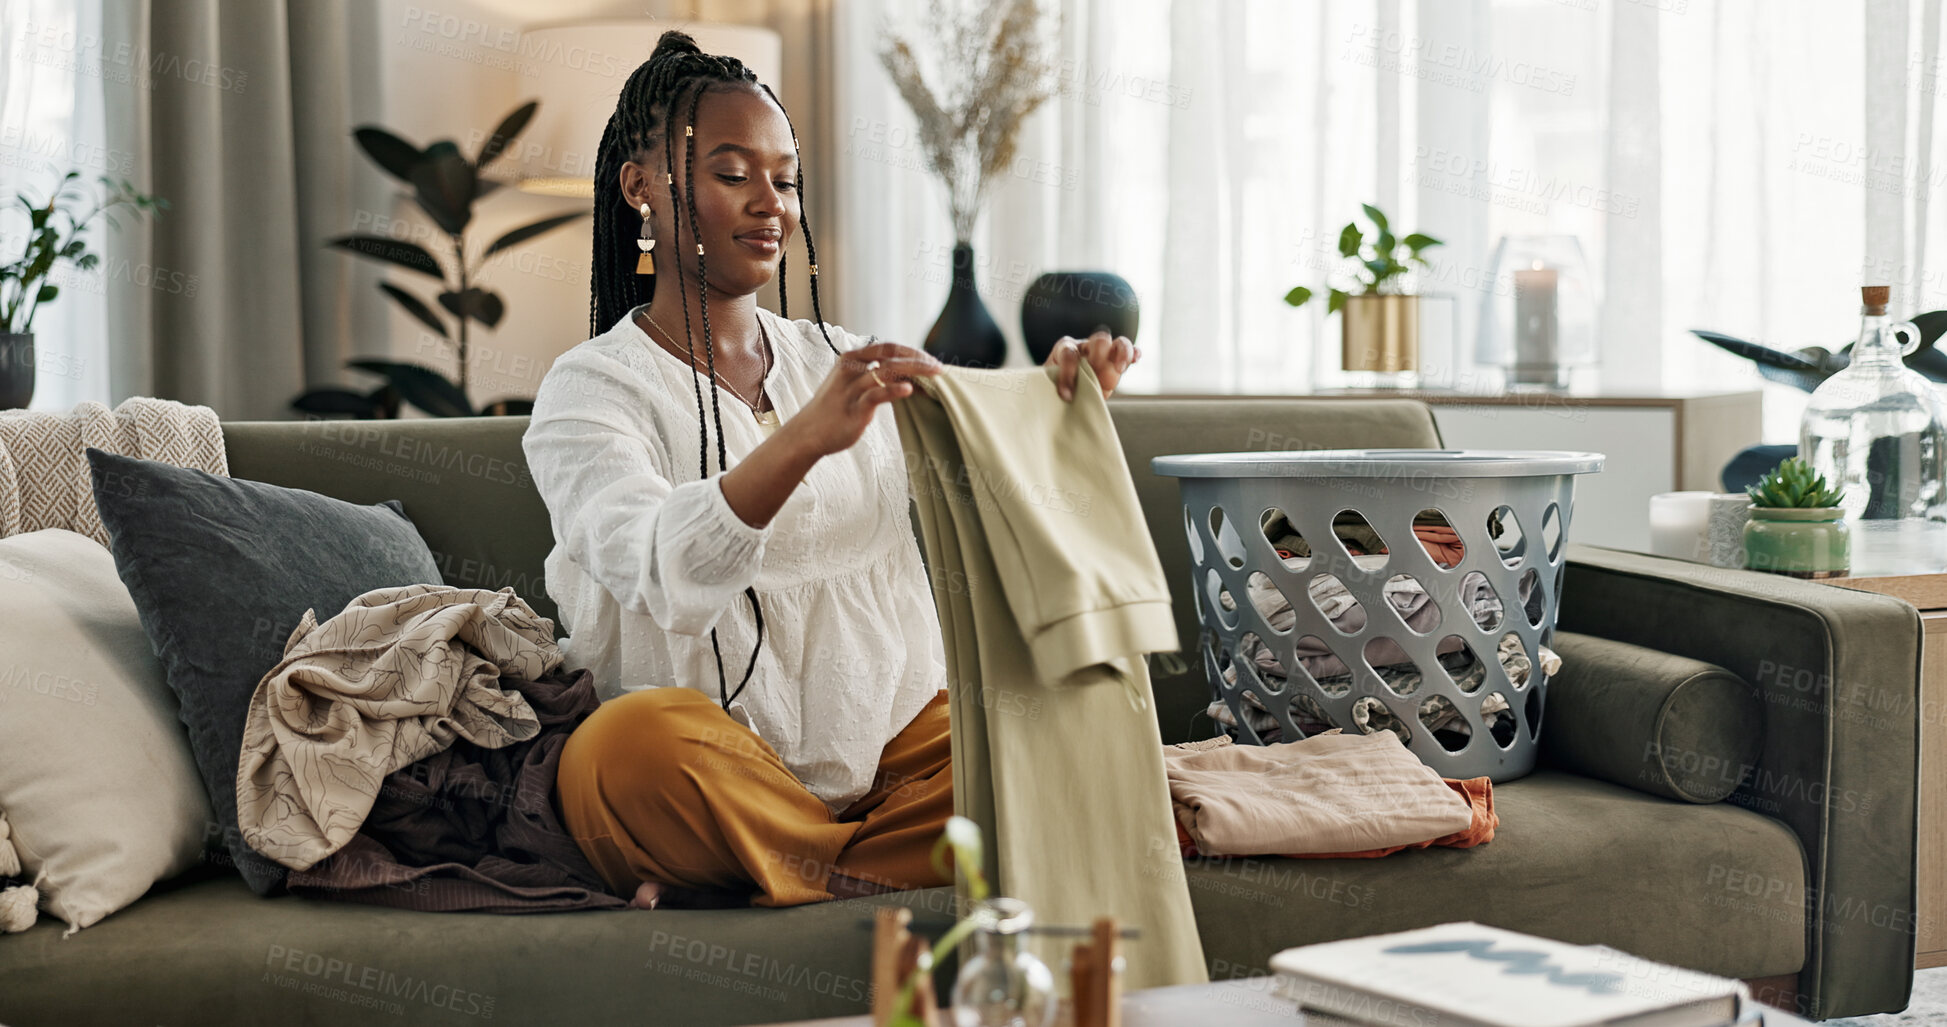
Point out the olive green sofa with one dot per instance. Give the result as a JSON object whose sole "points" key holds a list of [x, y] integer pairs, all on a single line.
{"points": [[1804, 878]]}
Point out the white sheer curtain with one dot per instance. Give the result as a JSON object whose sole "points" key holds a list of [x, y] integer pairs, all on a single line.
{"points": [[1742, 165], [51, 122]]}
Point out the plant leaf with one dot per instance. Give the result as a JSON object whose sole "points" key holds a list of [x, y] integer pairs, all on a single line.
{"points": [[1378, 218], [443, 184], [410, 256], [330, 401], [1349, 240], [476, 303], [423, 387], [529, 231], [416, 307], [503, 134], [388, 151], [47, 294], [1417, 242], [1337, 302], [1298, 296]]}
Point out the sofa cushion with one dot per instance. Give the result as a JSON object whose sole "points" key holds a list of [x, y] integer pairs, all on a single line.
{"points": [[222, 570], [1714, 888], [96, 779], [234, 958], [1649, 720]]}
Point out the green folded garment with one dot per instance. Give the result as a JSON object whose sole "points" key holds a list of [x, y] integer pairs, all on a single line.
{"points": [[1056, 753]]}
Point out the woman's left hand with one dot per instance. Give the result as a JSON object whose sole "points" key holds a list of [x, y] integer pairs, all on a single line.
{"points": [[1109, 356]]}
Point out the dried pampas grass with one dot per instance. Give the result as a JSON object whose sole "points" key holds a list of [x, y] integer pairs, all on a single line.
{"points": [[993, 69]]}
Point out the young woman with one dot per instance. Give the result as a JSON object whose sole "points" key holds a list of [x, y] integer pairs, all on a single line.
{"points": [[763, 527]]}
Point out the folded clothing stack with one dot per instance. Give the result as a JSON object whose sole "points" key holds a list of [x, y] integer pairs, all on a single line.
{"points": [[1329, 796]]}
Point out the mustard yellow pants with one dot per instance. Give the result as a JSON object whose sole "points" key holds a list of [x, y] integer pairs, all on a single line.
{"points": [[661, 785]]}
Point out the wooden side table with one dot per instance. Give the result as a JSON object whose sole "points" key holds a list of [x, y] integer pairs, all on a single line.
{"points": [[1928, 593]]}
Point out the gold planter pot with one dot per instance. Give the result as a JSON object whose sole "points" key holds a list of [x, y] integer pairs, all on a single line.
{"points": [[1382, 338]]}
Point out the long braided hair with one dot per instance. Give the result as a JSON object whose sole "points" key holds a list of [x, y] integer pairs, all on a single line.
{"points": [[672, 81]]}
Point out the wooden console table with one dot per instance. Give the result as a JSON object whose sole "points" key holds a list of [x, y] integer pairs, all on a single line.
{"points": [[1928, 593]]}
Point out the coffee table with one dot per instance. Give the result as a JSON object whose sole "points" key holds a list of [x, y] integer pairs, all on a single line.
{"points": [[1240, 1002]]}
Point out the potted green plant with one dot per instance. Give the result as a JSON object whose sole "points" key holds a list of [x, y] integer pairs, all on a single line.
{"points": [[53, 235], [445, 185], [1797, 526], [1382, 321]]}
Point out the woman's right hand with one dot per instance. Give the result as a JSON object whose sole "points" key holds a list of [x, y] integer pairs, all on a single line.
{"points": [[837, 415]]}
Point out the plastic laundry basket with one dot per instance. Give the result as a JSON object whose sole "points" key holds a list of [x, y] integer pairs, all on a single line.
{"points": [[1409, 590]]}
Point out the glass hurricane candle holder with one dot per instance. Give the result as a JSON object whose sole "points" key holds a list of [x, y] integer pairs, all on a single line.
{"points": [[1538, 322]]}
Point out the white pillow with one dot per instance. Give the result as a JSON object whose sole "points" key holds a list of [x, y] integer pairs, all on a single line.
{"points": [[96, 776]]}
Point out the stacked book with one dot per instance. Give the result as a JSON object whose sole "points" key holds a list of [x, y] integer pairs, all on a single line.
{"points": [[1472, 975]]}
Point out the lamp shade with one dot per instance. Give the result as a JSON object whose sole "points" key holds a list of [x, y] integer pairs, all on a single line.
{"points": [[578, 71]]}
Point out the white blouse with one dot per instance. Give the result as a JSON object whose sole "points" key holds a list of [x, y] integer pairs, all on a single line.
{"points": [[648, 555]]}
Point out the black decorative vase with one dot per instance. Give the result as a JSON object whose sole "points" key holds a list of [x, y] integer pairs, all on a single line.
{"points": [[965, 333], [1078, 304], [16, 371]]}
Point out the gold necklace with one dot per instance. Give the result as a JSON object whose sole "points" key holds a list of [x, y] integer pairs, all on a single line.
{"points": [[763, 416]]}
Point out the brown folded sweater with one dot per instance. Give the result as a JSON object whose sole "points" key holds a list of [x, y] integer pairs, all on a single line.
{"points": [[1329, 794]]}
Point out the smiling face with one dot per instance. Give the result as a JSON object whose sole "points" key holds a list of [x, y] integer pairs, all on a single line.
{"points": [[746, 203]]}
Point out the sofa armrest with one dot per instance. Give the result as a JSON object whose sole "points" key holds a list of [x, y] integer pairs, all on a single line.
{"points": [[1839, 673]]}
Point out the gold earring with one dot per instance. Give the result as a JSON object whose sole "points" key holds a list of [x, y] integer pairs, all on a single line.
{"points": [[646, 242]]}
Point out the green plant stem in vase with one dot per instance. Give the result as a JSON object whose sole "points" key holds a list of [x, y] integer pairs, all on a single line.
{"points": [[1797, 524]]}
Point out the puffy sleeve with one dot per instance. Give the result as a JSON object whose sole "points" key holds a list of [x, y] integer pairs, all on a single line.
{"points": [[678, 553]]}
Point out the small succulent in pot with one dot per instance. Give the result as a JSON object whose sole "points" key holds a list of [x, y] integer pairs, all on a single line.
{"points": [[1797, 524], [1794, 485]]}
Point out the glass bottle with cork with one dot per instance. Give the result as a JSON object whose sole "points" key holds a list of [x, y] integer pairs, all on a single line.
{"points": [[1878, 430]]}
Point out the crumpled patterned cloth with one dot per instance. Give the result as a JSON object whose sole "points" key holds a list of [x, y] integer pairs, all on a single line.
{"points": [[399, 675]]}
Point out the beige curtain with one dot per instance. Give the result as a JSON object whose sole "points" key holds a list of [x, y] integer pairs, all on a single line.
{"points": [[240, 112]]}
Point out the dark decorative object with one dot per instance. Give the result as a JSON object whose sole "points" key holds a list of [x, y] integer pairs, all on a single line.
{"points": [[445, 185], [1806, 368], [965, 333], [53, 235], [1077, 304], [16, 370]]}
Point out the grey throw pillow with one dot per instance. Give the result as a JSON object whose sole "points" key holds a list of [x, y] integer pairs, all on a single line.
{"points": [[221, 569]]}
